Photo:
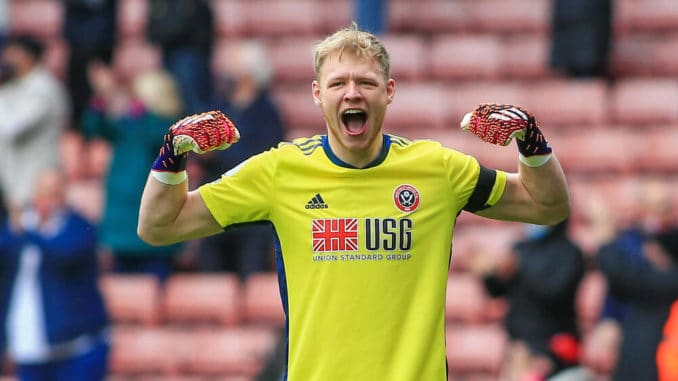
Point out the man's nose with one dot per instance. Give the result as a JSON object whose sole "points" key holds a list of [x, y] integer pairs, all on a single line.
{"points": [[352, 92]]}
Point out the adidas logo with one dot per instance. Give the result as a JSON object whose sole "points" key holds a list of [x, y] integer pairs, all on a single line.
{"points": [[316, 202]]}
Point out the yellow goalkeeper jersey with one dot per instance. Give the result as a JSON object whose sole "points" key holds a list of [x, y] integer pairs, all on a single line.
{"points": [[363, 254]]}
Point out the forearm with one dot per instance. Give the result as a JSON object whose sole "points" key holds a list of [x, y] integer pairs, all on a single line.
{"points": [[160, 207], [546, 190]]}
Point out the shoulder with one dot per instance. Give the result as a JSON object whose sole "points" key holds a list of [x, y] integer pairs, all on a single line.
{"points": [[304, 146], [427, 148]]}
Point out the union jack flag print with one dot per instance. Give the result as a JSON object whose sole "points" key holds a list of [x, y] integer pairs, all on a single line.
{"points": [[335, 234]]}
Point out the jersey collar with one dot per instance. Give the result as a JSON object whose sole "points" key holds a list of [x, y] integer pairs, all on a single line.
{"points": [[386, 145]]}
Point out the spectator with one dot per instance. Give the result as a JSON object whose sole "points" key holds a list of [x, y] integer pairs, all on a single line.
{"points": [[131, 124], [52, 313], [90, 29], [371, 15], [34, 110], [652, 215], [648, 288], [243, 94], [580, 37], [539, 279], [183, 29]]}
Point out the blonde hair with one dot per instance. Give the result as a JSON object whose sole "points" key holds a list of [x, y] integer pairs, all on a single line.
{"points": [[158, 91], [360, 43]]}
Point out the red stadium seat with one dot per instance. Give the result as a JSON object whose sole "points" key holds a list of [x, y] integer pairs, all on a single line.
{"points": [[147, 351], [649, 55], [297, 108], [466, 57], [509, 16], [292, 60], [475, 348], [262, 303], [526, 57], [335, 14], [43, 18], [580, 104], [276, 18], [460, 99], [230, 17], [409, 56], [415, 106], [202, 299], [466, 300], [657, 151], [132, 299], [645, 101], [228, 352], [653, 15], [434, 16], [598, 151]]}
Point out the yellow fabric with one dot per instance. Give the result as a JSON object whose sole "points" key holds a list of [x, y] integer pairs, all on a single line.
{"points": [[372, 305]]}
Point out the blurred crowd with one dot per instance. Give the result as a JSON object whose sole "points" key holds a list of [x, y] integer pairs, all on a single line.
{"points": [[46, 244]]}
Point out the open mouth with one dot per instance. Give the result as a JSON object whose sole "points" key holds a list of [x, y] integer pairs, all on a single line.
{"points": [[355, 121]]}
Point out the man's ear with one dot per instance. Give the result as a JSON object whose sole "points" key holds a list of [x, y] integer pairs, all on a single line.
{"points": [[315, 86], [390, 90]]}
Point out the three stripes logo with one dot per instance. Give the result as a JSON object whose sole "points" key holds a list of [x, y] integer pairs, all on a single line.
{"points": [[316, 202]]}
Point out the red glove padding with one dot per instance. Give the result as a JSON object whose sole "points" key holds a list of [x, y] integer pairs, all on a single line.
{"points": [[203, 132]]}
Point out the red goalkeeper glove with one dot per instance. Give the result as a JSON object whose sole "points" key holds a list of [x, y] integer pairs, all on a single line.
{"points": [[500, 123], [199, 133]]}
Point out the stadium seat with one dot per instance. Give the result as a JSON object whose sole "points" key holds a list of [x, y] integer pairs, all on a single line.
{"points": [[132, 16], [43, 18], [466, 300], [598, 151], [475, 348], [230, 18], [653, 15], [649, 55], [194, 299], [645, 101], [297, 107], [228, 352], [262, 303], [657, 151], [462, 98], [292, 60], [526, 57], [335, 14], [462, 57], [268, 18], [132, 299], [509, 16], [438, 17], [469, 239], [409, 56], [147, 351], [579, 103], [416, 105], [492, 156]]}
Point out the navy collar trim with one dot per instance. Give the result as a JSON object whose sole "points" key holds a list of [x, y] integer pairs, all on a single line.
{"points": [[386, 145]]}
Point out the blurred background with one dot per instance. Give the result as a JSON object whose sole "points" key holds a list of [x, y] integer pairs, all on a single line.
{"points": [[601, 78]]}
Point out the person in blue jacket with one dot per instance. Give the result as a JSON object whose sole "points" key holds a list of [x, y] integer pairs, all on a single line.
{"points": [[53, 320]]}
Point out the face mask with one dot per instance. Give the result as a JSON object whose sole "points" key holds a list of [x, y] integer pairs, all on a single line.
{"points": [[535, 232]]}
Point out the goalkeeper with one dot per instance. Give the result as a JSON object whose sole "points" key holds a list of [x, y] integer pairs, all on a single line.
{"points": [[364, 219]]}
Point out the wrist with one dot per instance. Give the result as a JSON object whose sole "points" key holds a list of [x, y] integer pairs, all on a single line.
{"points": [[535, 160], [167, 160], [170, 178]]}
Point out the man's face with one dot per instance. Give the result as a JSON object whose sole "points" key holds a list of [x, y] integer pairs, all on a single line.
{"points": [[353, 95]]}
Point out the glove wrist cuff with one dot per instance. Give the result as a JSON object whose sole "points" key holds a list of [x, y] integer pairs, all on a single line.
{"points": [[167, 161], [535, 160], [170, 178]]}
